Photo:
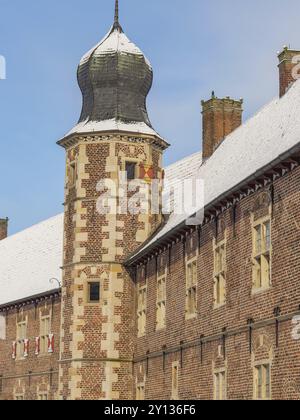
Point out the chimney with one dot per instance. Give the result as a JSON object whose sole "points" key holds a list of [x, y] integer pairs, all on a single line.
{"points": [[220, 118], [3, 228], [289, 69]]}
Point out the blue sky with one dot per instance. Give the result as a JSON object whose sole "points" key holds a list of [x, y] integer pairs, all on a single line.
{"points": [[195, 46]]}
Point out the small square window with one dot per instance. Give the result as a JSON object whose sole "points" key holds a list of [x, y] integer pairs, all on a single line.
{"points": [[94, 292], [130, 170]]}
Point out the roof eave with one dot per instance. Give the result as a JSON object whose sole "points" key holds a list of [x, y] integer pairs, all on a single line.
{"points": [[30, 299], [136, 257]]}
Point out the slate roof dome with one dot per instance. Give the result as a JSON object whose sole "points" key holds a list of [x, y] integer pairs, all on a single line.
{"points": [[115, 79]]}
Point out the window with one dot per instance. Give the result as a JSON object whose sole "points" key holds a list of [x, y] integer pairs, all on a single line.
{"points": [[44, 333], [142, 306], [130, 168], [220, 274], [2, 327], [21, 336], [191, 289], [94, 292], [220, 385], [72, 174], [262, 255], [175, 375], [161, 303], [262, 382], [140, 392], [43, 397]]}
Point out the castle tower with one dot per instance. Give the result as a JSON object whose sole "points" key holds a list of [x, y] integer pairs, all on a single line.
{"points": [[114, 135]]}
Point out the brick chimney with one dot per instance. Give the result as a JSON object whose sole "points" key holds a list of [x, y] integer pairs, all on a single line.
{"points": [[289, 69], [3, 228], [220, 118]]}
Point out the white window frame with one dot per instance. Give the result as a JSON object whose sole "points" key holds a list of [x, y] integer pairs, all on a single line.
{"points": [[220, 388], [220, 269], [191, 301], [262, 255], [142, 310]]}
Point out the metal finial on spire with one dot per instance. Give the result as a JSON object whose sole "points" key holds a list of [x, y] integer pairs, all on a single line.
{"points": [[117, 12], [116, 21]]}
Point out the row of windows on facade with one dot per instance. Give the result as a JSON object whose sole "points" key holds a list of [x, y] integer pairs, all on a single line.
{"points": [[261, 383], [43, 344], [261, 263]]}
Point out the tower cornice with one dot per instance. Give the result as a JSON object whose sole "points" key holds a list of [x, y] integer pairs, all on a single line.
{"points": [[75, 139]]}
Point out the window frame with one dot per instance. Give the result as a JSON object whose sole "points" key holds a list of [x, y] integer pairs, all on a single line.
{"points": [[136, 162], [161, 302], [43, 336], [42, 395], [21, 340], [191, 284], [142, 310], [217, 385], [263, 365], [175, 381], [72, 174], [88, 293], [220, 272], [140, 391], [261, 254]]}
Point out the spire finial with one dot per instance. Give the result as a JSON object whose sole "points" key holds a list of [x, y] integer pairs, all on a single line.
{"points": [[117, 12], [116, 20]]}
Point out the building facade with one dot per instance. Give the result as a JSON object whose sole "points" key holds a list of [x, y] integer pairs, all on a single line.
{"points": [[113, 302]]}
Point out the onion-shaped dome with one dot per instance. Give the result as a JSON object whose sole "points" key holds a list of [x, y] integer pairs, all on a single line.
{"points": [[115, 78]]}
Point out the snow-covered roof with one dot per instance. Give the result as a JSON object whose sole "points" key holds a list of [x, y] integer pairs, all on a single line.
{"points": [[263, 139], [113, 125], [114, 41], [30, 259]]}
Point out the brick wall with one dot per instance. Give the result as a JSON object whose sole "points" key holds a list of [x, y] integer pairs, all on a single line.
{"points": [[33, 375], [215, 339], [181, 338], [97, 341], [220, 118]]}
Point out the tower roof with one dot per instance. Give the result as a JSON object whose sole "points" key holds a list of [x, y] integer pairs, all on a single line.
{"points": [[115, 78]]}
